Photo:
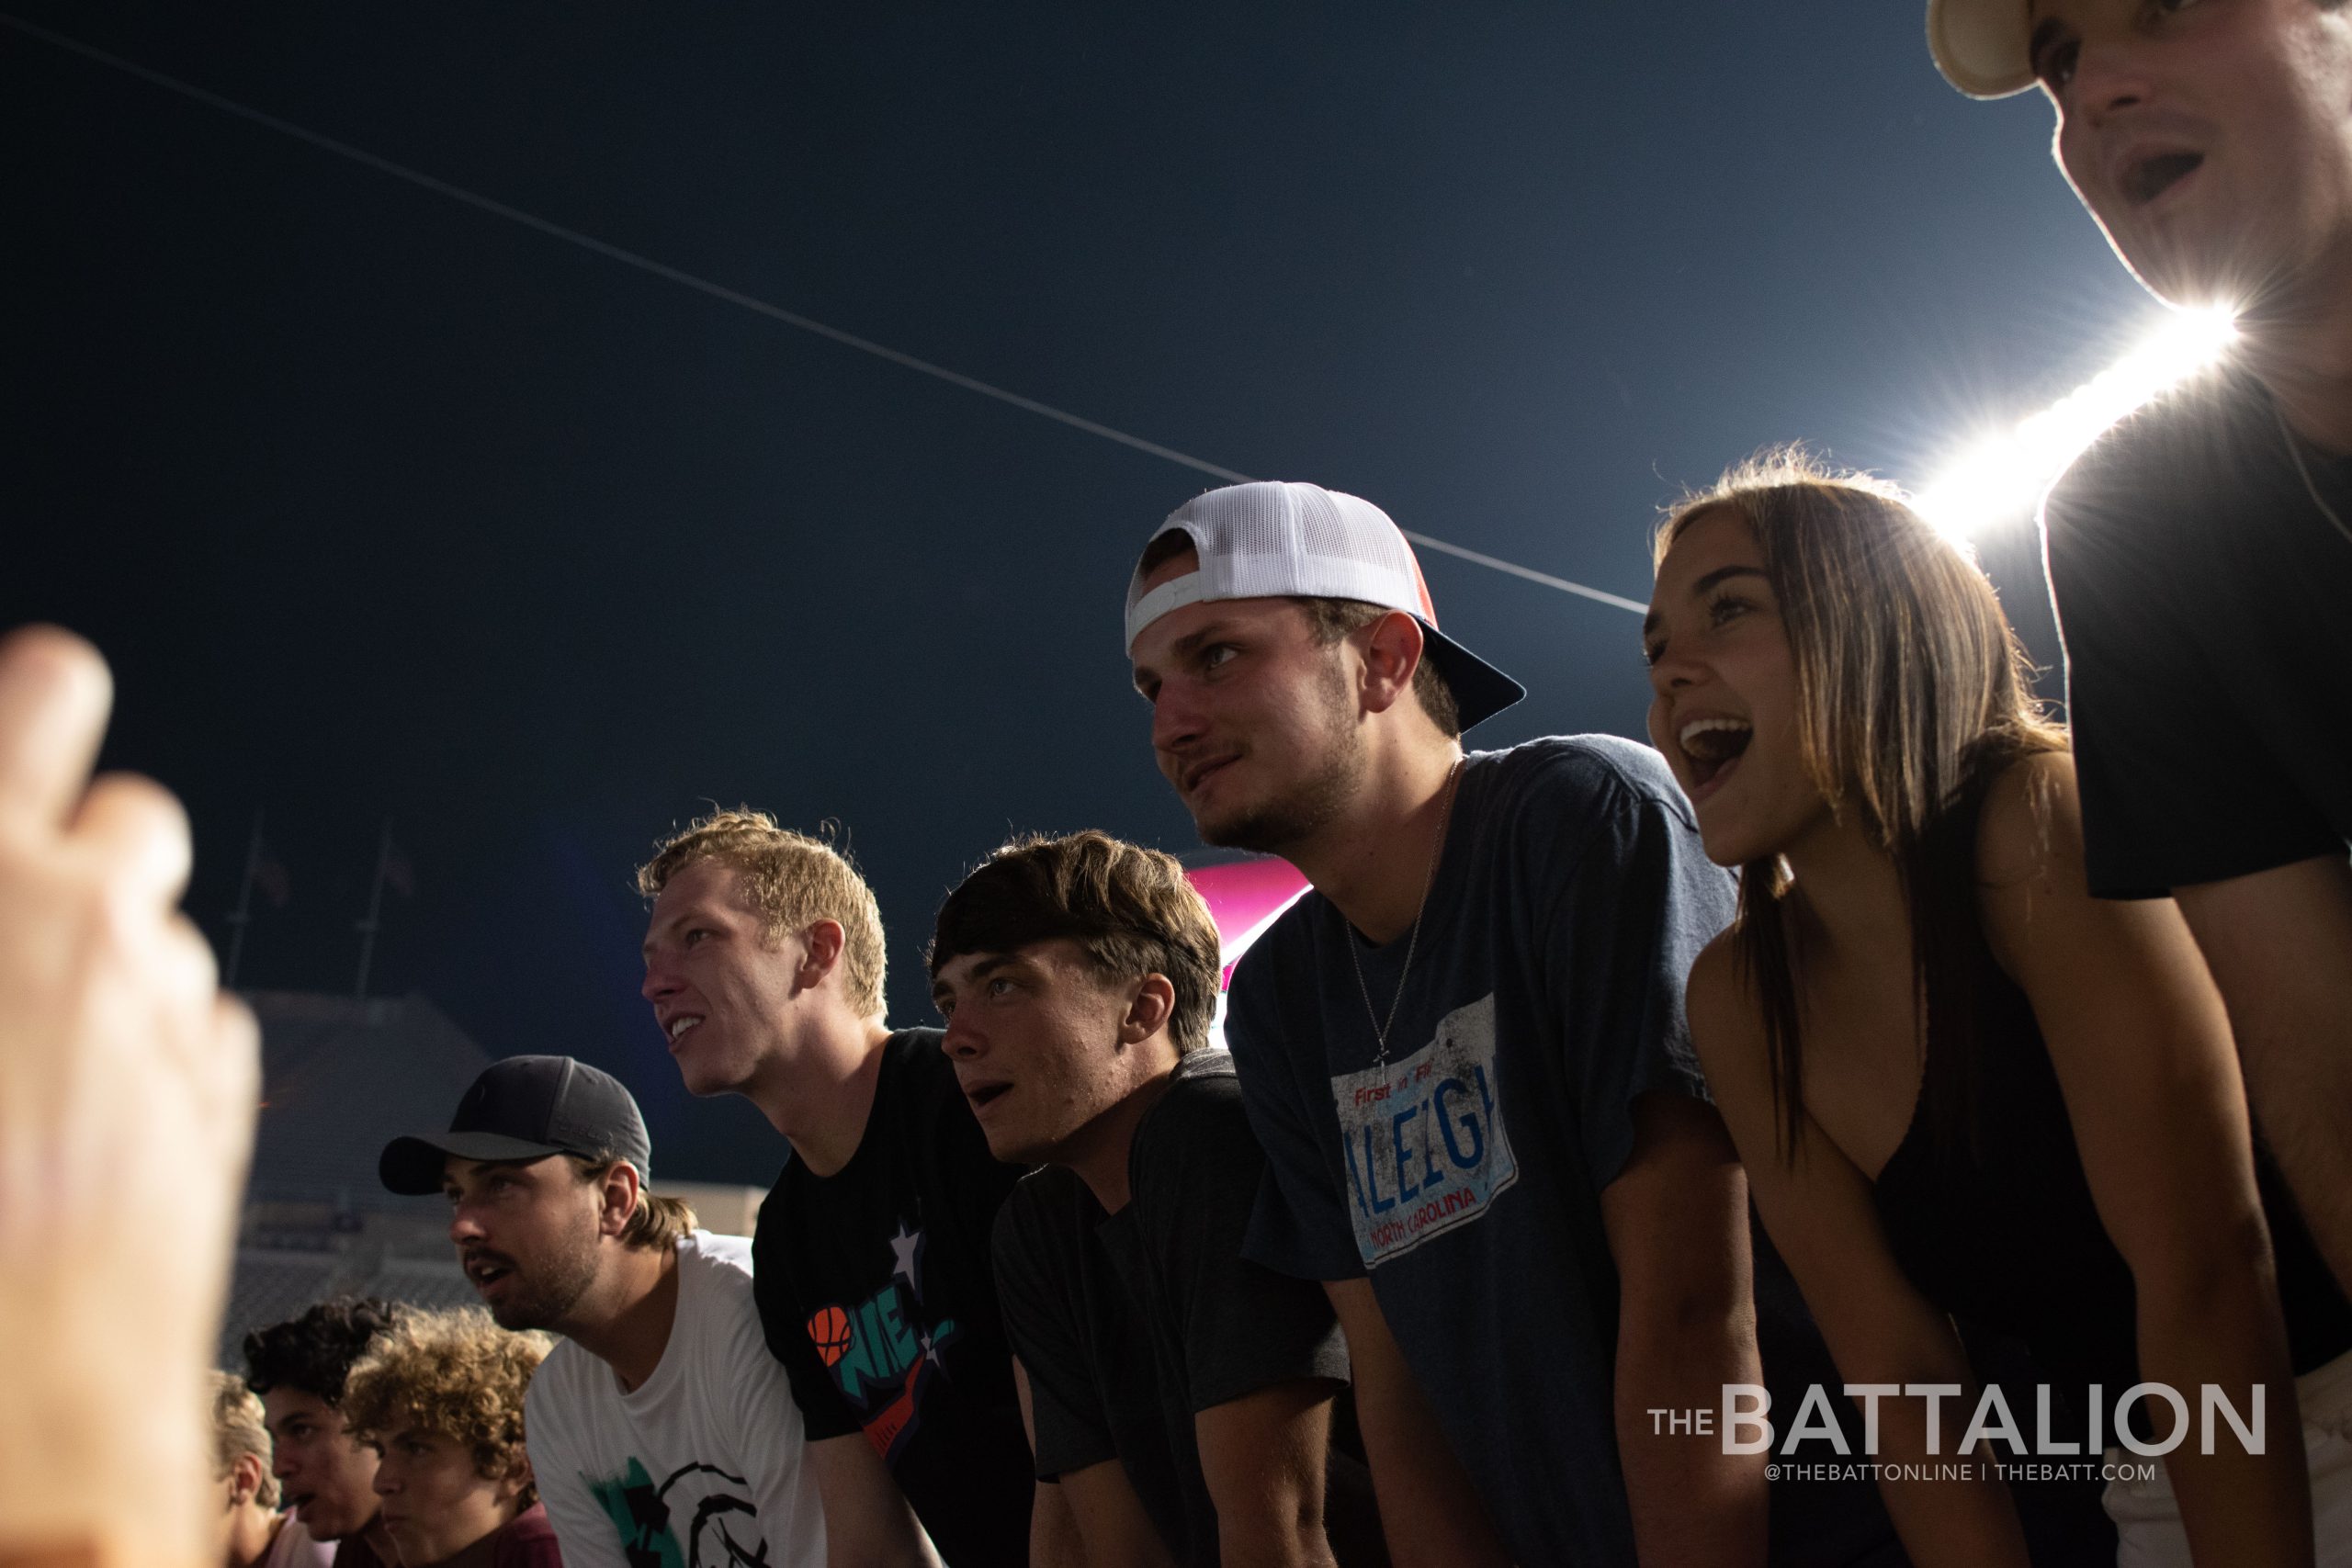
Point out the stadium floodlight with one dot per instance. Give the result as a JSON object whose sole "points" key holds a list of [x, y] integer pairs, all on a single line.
{"points": [[2004, 475]]}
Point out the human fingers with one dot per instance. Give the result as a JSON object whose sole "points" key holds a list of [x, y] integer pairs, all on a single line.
{"points": [[231, 1072], [139, 831], [54, 695]]}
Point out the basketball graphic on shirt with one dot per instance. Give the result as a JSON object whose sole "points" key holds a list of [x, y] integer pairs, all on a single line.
{"points": [[830, 1329]]}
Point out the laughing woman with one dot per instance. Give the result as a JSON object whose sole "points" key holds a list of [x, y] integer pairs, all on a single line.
{"points": [[440, 1396], [1961, 1087]]}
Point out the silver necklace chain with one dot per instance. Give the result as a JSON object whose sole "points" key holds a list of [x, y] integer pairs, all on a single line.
{"points": [[1380, 1028], [2302, 471]]}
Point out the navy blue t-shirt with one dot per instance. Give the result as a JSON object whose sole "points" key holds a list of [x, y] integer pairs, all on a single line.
{"points": [[1465, 1173]]}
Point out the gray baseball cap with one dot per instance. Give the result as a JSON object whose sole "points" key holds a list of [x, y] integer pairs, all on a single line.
{"points": [[526, 1107]]}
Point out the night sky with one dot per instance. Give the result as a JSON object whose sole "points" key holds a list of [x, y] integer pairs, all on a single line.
{"points": [[383, 506]]}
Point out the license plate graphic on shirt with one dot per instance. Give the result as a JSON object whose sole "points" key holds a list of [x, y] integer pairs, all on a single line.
{"points": [[1426, 1146]]}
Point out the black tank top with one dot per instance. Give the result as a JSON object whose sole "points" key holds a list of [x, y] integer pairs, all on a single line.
{"points": [[2000, 1231]]}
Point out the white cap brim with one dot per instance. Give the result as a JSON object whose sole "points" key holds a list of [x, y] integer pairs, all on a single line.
{"points": [[1982, 47]]}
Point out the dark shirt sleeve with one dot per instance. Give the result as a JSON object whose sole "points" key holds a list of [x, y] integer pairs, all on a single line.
{"points": [[1195, 1179], [1038, 1288], [1298, 1224], [1642, 899], [2177, 787], [823, 1412]]}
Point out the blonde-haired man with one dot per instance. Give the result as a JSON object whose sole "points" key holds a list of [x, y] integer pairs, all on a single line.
{"points": [[253, 1534], [765, 963], [660, 1429]]}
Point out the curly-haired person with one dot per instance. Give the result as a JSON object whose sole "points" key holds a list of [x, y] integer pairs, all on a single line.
{"points": [[440, 1396], [299, 1368]]}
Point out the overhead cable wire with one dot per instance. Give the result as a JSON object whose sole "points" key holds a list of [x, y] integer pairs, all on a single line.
{"points": [[736, 296]]}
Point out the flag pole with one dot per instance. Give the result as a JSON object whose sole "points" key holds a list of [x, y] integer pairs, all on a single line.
{"points": [[243, 913], [369, 926]]}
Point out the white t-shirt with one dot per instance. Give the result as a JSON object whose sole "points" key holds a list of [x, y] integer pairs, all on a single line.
{"points": [[701, 1463]]}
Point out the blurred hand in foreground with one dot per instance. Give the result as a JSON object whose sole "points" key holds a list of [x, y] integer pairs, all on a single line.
{"points": [[128, 1089]]}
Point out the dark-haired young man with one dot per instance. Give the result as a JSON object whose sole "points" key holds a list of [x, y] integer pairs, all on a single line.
{"points": [[1464, 1054], [1181, 1394], [327, 1476], [765, 963], [660, 1429], [2200, 552]]}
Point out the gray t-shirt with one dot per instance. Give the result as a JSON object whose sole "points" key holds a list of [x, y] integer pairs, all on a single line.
{"points": [[1131, 1323], [1464, 1173]]}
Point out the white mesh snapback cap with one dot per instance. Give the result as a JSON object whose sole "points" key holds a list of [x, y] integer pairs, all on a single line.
{"points": [[1984, 47], [1272, 540]]}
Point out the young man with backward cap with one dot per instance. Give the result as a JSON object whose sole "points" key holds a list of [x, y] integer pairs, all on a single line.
{"points": [[659, 1429], [1464, 1054], [2200, 551]]}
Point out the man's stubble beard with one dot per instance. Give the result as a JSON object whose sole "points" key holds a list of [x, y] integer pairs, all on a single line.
{"points": [[1280, 826], [555, 1290]]}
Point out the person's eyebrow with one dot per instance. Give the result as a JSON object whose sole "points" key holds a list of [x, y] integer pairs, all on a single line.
{"points": [[664, 927], [980, 971], [1184, 647], [1704, 585], [1722, 574]]}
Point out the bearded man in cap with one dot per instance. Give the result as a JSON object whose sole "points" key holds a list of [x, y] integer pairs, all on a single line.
{"points": [[1464, 1054], [661, 1430]]}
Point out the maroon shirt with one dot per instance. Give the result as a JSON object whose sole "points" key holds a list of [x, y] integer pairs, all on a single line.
{"points": [[527, 1540], [528, 1543]]}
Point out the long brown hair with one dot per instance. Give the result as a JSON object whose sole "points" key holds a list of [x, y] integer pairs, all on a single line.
{"points": [[1913, 695]]}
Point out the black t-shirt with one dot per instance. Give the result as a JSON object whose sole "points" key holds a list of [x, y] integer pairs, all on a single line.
{"points": [[2206, 605], [1463, 1172], [1130, 1323], [875, 1291]]}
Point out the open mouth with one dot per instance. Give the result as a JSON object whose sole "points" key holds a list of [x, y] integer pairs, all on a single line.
{"points": [[681, 1024], [1710, 746], [486, 1271], [987, 1094], [2151, 177]]}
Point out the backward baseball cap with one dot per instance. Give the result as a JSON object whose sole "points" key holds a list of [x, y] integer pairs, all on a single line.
{"points": [[526, 1107], [1984, 47], [1273, 540]]}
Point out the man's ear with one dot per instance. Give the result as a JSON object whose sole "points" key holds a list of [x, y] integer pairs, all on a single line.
{"points": [[616, 1198], [245, 1477], [1392, 653], [1148, 1011], [518, 1478], [823, 940]]}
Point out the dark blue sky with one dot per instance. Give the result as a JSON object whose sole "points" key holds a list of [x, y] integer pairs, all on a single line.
{"points": [[382, 505]]}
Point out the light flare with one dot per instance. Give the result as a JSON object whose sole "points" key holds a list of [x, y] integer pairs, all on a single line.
{"points": [[2004, 475]]}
